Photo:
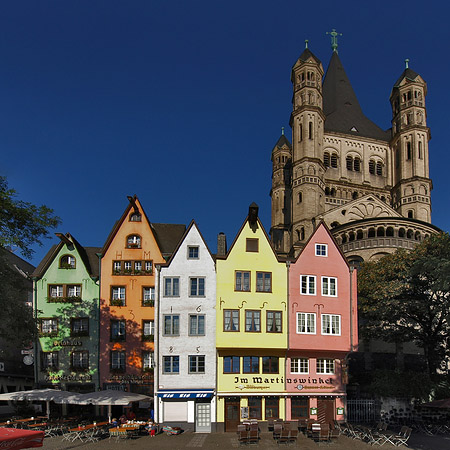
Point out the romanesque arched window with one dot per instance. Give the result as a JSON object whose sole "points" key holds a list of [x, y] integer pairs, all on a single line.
{"points": [[372, 167], [356, 164], [379, 168], [326, 159], [349, 162], [334, 160]]}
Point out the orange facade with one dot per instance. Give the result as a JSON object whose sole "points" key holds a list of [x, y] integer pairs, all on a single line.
{"points": [[127, 299]]}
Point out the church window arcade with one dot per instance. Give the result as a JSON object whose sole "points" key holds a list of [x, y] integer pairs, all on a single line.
{"points": [[353, 164], [330, 160]]}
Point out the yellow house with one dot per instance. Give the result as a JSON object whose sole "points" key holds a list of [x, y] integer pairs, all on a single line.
{"points": [[251, 336]]}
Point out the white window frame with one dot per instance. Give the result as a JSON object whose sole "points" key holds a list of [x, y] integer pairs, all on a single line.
{"points": [[169, 287], [195, 249], [321, 250], [49, 326], [118, 360], [118, 292], [73, 290], [148, 360], [326, 286], [148, 328], [148, 293], [308, 290], [306, 317], [300, 365], [325, 366], [56, 290], [331, 321]]}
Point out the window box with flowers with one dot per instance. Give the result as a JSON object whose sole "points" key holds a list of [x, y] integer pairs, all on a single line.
{"points": [[117, 302], [148, 338], [148, 369], [147, 302]]}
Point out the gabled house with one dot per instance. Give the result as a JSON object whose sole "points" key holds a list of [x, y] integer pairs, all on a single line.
{"points": [[251, 328], [186, 352], [127, 298], [66, 284], [323, 329]]}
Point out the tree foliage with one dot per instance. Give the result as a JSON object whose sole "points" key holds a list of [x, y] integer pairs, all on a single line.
{"points": [[405, 296], [23, 224]]}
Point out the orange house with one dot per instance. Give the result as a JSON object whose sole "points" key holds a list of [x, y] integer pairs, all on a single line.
{"points": [[127, 298]]}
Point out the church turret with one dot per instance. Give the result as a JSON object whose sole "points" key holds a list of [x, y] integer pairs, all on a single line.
{"points": [[410, 136], [281, 193], [307, 122]]}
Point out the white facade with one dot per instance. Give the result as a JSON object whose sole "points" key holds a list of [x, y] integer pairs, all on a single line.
{"points": [[186, 336]]}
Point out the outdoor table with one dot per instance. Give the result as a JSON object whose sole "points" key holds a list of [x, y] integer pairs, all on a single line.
{"points": [[14, 438]]}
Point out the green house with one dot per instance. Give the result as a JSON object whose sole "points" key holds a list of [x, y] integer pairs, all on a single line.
{"points": [[66, 306]]}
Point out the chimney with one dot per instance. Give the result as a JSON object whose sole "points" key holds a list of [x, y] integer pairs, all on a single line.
{"points": [[221, 244], [253, 213]]}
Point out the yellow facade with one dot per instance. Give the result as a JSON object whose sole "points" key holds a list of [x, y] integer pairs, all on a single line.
{"points": [[251, 336]]}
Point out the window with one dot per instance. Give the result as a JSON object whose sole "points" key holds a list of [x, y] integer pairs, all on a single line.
{"points": [[171, 325], [253, 321], [134, 241], [79, 326], [329, 286], [117, 267], [273, 322], [326, 159], [192, 252], [148, 296], [196, 325], [372, 167], [118, 360], [251, 245], [148, 330], [73, 290], [118, 330], [272, 408], [80, 360], [299, 365], [251, 364], [325, 366], [171, 364], [379, 169], [270, 364], [49, 326], [263, 282], [196, 364], [308, 284], [357, 164], [148, 361], [321, 250], [148, 267], [231, 320], [137, 267], [231, 364], [171, 287], [334, 161], [197, 287], [349, 163], [242, 281], [55, 290], [118, 295], [306, 323], [331, 324], [254, 407], [135, 217], [299, 407], [310, 130], [408, 150], [127, 266], [49, 360], [67, 262]]}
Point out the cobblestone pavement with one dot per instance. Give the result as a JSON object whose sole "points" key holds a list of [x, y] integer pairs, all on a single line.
{"points": [[227, 441]]}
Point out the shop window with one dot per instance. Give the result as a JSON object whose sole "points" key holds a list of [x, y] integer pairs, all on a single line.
{"points": [[272, 409], [299, 407], [255, 407]]}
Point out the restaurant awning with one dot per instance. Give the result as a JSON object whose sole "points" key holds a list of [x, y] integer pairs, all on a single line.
{"points": [[185, 394], [16, 438]]}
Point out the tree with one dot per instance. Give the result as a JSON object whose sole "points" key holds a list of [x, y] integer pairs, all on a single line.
{"points": [[405, 296], [22, 225]]}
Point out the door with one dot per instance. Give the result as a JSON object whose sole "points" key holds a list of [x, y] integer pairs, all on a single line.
{"points": [[203, 417], [325, 411], [232, 415]]}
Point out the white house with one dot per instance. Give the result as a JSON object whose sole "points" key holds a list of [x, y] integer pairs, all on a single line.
{"points": [[185, 378]]}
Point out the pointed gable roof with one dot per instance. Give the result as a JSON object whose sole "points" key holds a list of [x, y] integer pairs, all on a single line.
{"points": [[308, 54], [283, 141], [87, 254], [341, 107], [409, 74]]}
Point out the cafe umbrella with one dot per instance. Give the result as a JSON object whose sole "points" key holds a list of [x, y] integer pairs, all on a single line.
{"points": [[104, 398], [42, 395]]}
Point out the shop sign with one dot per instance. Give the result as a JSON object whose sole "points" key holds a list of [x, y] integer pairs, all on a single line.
{"points": [[339, 411], [313, 411], [67, 343], [263, 383], [135, 379], [186, 395], [63, 377]]}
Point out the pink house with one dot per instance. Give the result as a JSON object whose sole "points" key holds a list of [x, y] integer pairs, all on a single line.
{"points": [[322, 330]]}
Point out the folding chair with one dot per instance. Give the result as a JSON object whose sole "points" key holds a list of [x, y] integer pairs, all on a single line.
{"points": [[284, 437], [277, 429], [403, 437], [243, 437], [253, 435]]}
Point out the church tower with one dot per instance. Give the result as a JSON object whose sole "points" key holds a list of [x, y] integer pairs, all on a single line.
{"points": [[410, 136], [307, 123]]}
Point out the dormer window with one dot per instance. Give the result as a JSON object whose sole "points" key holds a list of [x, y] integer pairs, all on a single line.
{"points": [[135, 217], [321, 250], [134, 241], [67, 262]]}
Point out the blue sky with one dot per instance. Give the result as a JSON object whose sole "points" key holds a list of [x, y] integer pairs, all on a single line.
{"points": [[181, 102]]}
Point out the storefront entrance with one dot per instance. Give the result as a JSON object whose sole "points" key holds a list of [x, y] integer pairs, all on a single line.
{"points": [[325, 410], [203, 417], [232, 413]]}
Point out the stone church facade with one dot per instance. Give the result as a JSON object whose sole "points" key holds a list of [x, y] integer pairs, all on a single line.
{"points": [[371, 187]]}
